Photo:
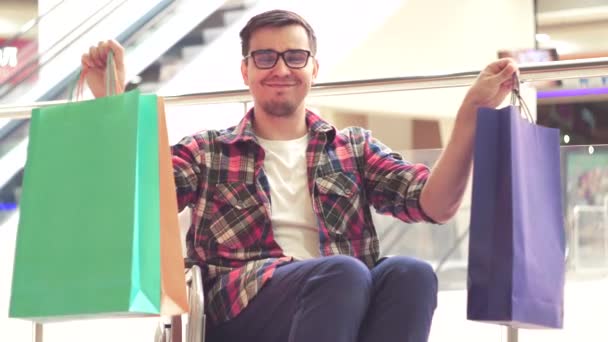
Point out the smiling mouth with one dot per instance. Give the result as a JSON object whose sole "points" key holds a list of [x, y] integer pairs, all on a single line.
{"points": [[280, 85]]}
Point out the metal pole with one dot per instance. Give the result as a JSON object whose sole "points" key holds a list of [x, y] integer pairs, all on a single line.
{"points": [[37, 332], [590, 67], [512, 334]]}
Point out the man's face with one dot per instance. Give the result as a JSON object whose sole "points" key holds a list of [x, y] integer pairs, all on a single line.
{"points": [[279, 90]]}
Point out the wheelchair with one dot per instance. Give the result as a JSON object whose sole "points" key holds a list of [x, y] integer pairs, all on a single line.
{"points": [[170, 328]]}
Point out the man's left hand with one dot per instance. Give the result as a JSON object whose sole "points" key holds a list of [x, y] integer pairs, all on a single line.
{"points": [[493, 84]]}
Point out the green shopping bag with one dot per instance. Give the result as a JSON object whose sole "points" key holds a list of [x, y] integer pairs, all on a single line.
{"points": [[89, 231]]}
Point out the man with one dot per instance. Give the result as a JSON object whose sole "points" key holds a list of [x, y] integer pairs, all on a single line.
{"points": [[281, 218]]}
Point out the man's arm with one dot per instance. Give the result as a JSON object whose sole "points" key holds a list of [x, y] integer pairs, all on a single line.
{"points": [[188, 170], [392, 185], [188, 161], [443, 192]]}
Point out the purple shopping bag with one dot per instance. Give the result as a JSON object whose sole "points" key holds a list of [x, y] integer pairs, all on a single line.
{"points": [[517, 240]]}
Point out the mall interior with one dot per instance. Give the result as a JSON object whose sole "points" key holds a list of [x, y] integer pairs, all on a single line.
{"points": [[399, 68]]}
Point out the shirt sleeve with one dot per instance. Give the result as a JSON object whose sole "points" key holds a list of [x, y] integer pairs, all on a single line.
{"points": [[393, 185], [188, 164]]}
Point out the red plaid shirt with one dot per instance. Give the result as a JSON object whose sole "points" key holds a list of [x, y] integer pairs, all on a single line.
{"points": [[220, 175]]}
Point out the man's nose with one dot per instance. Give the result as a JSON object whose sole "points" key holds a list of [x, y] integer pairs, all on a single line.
{"points": [[281, 68]]}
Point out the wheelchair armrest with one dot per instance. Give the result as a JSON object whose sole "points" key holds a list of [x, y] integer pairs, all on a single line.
{"points": [[170, 328], [195, 329]]}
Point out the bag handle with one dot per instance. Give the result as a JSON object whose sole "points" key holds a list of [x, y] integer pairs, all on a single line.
{"points": [[516, 97], [111, 80]]}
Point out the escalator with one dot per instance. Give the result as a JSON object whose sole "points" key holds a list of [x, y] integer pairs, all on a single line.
{"points": [[158, 35]]}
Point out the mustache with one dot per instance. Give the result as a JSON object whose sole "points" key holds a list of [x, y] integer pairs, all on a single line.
{"points": [[276, 79]]}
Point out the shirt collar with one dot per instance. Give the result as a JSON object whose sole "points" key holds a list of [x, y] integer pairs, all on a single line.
{"points": [[243, 131]]}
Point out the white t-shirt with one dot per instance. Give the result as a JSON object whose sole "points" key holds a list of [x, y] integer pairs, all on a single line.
{"points": [[294, 223]]}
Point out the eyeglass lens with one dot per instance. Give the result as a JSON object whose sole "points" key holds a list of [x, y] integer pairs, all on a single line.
{"points": [[266, 59]]}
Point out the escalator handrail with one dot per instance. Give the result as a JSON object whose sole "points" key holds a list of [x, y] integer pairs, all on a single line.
{"points": [[132, 29], [14, 124], [32, 61], [27, 27], [121, 38]]}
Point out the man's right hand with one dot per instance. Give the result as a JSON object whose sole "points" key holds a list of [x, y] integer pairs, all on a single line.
{"points": [[94, 66]]}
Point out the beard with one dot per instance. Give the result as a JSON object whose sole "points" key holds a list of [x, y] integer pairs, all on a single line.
{"points": [[279, 108]]}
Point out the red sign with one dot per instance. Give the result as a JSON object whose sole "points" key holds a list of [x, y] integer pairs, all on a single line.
{"points": [[17, 61]]}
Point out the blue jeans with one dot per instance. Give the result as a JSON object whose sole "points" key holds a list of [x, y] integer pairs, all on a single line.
{"points": [[338, 299]]}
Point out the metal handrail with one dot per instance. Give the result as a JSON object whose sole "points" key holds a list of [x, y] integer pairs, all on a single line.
{"points": [[546, 71]]}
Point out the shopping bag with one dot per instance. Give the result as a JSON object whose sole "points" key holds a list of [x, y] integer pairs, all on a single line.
{"points": [[95, 238], [173, 282], [517, 242]]}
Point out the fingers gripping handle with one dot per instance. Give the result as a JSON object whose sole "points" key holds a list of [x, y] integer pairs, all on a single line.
{"points": [[516, 97], [111, 79]]}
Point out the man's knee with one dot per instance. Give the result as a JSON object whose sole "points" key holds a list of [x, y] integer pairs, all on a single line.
{"points": [[406, 272], [342, 276], [404, 300]]}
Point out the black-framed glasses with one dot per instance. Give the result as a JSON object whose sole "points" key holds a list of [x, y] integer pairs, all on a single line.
{"points": [[267, 59]]}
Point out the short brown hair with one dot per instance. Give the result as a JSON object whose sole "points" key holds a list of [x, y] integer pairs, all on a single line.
{"points": [[276, 18]]}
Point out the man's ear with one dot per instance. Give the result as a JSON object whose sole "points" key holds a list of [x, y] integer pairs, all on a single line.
{"points": [[244, 72], [315, 70]]}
